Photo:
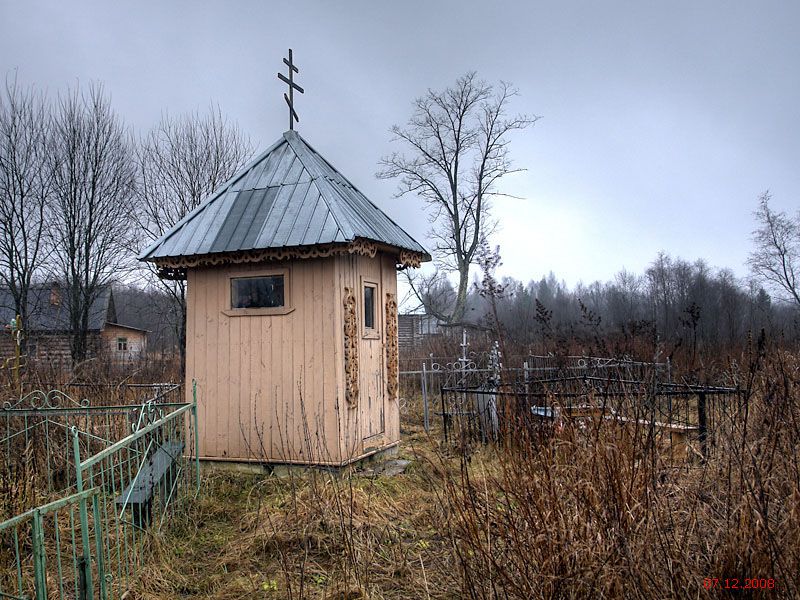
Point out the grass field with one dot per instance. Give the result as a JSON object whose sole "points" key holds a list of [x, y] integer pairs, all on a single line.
{"points": [[586, 510], [581, 512], [311, 535]]}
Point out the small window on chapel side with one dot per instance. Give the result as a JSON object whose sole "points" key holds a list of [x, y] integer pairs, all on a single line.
{"points": [[369, 306], [122, 344], [257, 292]]}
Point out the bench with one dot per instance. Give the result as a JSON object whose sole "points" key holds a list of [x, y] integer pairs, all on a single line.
{"points": [[139, 494]]}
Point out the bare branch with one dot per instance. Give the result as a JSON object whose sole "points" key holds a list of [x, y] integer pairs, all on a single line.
{"points": [[92, 168], [776, 258], [25, 189]]}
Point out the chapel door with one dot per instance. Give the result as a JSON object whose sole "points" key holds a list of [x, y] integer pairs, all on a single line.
{"points": [[373, 416]]}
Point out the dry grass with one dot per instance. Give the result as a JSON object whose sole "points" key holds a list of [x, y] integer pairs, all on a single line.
{"points": [[319, 535], [589, 513], [579, 513]]}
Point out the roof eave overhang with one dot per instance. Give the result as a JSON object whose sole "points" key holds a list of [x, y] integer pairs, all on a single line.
{"points": [[174, 267]]}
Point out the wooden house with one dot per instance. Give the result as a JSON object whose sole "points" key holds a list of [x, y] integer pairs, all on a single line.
{"points": [[48, 332], [291, 312]]}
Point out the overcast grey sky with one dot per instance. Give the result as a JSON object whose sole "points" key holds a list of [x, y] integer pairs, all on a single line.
{"points": [[662, 122]]}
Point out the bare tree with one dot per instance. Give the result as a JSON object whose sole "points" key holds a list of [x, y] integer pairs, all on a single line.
{"points": [[25, 189], [179, 163], [625, 299], [94, 184], [776, 258], [458, 139]]}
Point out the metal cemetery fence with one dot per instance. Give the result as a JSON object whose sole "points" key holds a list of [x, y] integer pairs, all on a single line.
{"points": [[557, 391], [474, 395], [119, 471], [426, 377]]}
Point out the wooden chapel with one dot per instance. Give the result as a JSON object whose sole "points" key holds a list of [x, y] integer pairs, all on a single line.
{"points": [[291, 312]]}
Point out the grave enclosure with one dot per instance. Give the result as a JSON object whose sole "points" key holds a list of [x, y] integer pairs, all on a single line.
{"points": [[86, 473], [475, 397]]}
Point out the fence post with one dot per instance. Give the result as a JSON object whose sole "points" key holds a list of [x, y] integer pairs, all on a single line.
{"points": [[82, 579], [39, 572], [196, 436], [425, 416], [444, 413], [98, 541], [525, 380], [702, 426], [84, 514]]}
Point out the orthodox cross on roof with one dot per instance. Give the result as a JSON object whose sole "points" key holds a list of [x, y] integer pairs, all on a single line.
{"points": [[292, 87]]}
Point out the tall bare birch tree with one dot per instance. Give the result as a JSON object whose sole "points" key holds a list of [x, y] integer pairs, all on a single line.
{"points": [[94, 184], [458, 144], [25, 189], [776, 258], [180, 162]]}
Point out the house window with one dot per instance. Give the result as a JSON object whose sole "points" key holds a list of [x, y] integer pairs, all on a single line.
{"points": [[257, 292], [122, 344], [369, 306]]}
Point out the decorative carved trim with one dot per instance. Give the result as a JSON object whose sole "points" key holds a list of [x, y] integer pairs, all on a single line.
{"points": [[407, 258], [350, 348], [171, 273], [392, 348], [359, 246], [175, 267]]}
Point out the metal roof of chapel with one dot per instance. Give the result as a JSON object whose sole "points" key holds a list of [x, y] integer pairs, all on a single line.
{"points": [[288, 196]]}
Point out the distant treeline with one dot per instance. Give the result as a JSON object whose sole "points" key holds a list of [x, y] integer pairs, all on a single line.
{"points": [[673, 304]]}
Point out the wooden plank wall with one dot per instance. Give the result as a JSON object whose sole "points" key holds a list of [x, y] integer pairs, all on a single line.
{"points": [[375, 422], [272, 387], [392, 412], [269, 386], [51, 349]]}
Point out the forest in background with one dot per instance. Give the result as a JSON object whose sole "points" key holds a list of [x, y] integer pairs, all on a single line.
{"points": [[676, 308]]}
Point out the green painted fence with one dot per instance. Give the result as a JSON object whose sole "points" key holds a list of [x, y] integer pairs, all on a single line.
{"points": [[90, 542]]}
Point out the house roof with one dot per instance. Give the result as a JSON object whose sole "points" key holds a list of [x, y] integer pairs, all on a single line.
{"points": [[288, 196], [43, 315], [130, 327]]}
